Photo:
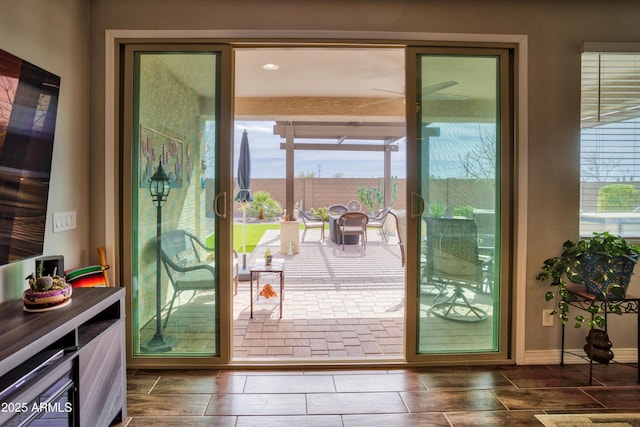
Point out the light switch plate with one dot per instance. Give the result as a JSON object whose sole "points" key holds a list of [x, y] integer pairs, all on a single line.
{"points": [[63, 221], [547, 318]]}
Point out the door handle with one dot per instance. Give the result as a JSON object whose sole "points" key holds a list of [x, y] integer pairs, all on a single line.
{"points": [[216, 205], [415, 197]]}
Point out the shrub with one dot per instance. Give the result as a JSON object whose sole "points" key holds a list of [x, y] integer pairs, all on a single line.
{"points": [[263, 206], [463, 211], [373, 197], [618, 198]]}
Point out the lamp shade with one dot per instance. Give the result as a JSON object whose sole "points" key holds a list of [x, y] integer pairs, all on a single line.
{"points": [[159, 186]]}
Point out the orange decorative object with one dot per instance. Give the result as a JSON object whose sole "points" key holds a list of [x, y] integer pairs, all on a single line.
{"points": [[268, 292]]}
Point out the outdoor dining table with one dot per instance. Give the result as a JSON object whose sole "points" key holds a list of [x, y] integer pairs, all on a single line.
{"points": [[334, 235]]}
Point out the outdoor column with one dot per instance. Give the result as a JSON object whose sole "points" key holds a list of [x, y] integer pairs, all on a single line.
{"points": [[289, 198], [387, 176]]}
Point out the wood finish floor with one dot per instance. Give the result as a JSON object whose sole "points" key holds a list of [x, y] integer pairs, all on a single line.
{"points": [[457, 396]]}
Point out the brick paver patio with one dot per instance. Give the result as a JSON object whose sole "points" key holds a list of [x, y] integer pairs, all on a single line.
{"points": [[338, 303]]}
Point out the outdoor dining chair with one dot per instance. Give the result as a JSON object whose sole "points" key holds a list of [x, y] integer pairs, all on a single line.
{"points": [[337, 209], [378, 220], [184, 266], [353, 223], [455, 265], [354, 205], [311, 221], [400, 219]]}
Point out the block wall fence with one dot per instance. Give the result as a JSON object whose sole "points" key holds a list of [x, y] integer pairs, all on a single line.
{"points": [[322, 192]]}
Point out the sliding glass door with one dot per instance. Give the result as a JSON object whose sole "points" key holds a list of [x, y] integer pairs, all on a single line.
{"points": [[177, 158], [459, 215], [177, 202]]}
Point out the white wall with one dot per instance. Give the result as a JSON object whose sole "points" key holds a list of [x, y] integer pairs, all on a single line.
{"points": [[54, 35]]}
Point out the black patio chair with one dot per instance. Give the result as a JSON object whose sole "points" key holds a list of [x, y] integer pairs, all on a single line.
{"points": [[456, 267]]}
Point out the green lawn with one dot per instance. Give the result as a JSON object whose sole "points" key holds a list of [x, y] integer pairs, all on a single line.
{"points": [[254, 234]]}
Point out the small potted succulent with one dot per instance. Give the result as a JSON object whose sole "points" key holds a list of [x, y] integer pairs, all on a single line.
{"points": [[601, 265], [268, 258]]}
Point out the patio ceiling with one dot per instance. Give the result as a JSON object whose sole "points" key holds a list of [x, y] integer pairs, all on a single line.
{"points": [[339, 84]]}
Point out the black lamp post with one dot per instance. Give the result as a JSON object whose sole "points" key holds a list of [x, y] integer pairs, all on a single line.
{"points": [[159, 189]]}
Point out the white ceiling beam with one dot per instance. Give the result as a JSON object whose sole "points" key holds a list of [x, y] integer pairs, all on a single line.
{"points": [[340, 147], [330, 130]]}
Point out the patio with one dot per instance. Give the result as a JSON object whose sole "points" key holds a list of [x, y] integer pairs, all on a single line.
{"points": [[338, 304]]}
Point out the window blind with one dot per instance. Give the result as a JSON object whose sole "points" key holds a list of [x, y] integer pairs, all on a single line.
{"points": [[610, 143]]}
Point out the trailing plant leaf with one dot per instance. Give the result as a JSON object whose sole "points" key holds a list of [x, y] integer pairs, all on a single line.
{"points": [[593, 309], [615, 309], [599, 320], [569, 267]]}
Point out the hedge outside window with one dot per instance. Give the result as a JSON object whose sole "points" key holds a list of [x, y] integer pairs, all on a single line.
{"points": [[610, 143]]}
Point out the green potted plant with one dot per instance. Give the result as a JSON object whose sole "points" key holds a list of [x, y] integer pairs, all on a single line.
{"points": [[601, 265]]}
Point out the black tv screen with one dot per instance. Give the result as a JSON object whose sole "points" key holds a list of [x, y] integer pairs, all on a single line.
{"points": [[28, 106]]}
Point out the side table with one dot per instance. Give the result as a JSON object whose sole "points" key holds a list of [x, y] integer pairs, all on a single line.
{"points": [[260, 268], [583, 300]]}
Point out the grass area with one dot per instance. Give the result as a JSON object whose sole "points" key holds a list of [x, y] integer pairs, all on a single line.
{"points": [[254, 234]]}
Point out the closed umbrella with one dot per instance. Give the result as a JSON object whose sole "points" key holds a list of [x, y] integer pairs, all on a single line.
{"points": [[244, 193], [244, 171]]}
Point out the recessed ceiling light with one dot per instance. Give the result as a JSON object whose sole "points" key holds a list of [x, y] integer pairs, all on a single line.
{"points": [[270, 67]]}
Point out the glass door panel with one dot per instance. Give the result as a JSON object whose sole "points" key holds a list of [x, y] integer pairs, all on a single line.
{"points": [[176, 264], [459, 141]]}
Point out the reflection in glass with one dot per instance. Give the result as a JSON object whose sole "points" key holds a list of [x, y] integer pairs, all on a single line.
{"points": [[458, 143], [174, 124]]}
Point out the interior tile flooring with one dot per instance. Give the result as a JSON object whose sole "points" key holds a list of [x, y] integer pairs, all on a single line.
{"points": [[445, 396]]}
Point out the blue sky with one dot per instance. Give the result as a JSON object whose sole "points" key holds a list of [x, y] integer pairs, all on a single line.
{"points": [[268, 160]]}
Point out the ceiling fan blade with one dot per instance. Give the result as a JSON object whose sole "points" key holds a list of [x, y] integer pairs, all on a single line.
{"points": [[444, 97], [381, 101], [438, 86], [389, 91], [428, 93]]}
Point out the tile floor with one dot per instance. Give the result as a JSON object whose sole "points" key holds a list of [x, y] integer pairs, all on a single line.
{"points": [[445, 396], [456, 396]]}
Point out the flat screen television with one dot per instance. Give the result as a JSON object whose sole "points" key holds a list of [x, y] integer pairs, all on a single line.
{"points": [[28, 107]]}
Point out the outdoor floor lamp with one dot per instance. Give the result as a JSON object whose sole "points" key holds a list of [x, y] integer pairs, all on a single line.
{"points": [[159, 188]]}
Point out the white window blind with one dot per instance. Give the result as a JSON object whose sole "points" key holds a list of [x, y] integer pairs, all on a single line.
{"points": [[610, 144]]}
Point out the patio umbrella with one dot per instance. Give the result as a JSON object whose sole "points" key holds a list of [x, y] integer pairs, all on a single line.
{"points": [[244, 193]]}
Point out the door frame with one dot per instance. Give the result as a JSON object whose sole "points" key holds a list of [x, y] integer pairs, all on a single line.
{"points": [[116, 39], [504, 190], [224, 181]]}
